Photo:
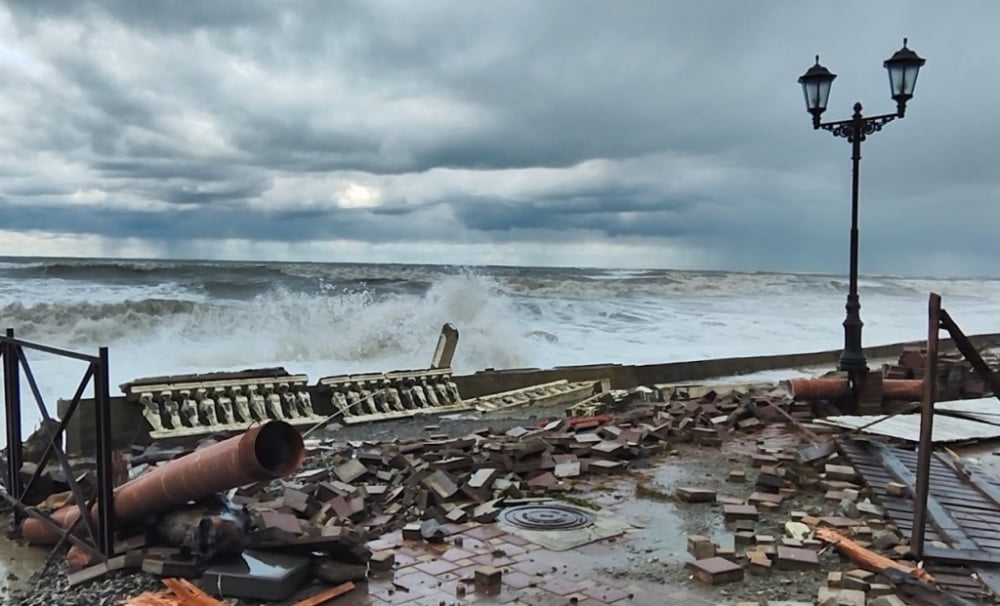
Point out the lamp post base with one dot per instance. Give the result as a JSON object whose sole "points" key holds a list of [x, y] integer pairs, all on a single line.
{"points": [[852, 358]]}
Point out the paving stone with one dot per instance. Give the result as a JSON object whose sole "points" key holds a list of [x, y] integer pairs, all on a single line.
{"points": [[844, 473], [282, 521], [337, 572], [896, 489], [740, 512], [606, 594], [350, 471], [442, 484], [759, 498], [700, 546], [841, 597], [759, 563], [879, 589], [716, 570], [792, 558], [88, 574], [519, 580], [382, 561], [436, 567], [569, 469], [694, 495], [488, 579]]}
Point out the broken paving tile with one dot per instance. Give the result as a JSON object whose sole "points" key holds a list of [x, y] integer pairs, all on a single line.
{"points": [[731, 513], [694, 495], [794, 558], [350, 471], [716, 570]]}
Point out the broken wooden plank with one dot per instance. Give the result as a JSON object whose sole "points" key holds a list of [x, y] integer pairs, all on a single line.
{"points": [[325, 596]]}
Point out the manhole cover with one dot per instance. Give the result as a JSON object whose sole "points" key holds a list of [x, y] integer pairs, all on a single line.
{"points": [[547, 517]]}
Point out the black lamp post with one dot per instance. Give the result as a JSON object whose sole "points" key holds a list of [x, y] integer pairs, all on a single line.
{"points": [[903, 68]]}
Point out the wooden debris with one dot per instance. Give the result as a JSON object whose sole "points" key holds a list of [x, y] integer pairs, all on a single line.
{"points": [[325, 596], [182, 593], [866, 557]]}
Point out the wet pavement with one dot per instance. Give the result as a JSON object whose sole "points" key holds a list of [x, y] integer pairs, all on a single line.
{"points": [[434, 574], [641, 565], [17, 563]]}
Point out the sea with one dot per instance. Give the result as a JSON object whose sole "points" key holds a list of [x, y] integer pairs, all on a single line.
{"points": [[160, 317]]}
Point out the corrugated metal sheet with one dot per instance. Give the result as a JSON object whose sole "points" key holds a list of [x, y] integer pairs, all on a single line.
{"points": [[986, 410], [907, 427]]}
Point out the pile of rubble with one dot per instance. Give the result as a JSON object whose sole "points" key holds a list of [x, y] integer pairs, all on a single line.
{"points": [[956, 377], [307, 526], [765, 538]]}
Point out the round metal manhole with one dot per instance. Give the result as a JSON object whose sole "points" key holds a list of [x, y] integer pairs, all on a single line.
{"points": [[547, 517]]}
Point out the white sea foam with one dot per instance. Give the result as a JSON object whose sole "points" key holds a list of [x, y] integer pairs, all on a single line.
{"points": [[160, 318]]}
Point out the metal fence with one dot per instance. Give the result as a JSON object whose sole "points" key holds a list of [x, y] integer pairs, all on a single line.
{"points": [[97, 539]]}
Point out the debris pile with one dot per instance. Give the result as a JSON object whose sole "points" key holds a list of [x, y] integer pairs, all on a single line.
{"points": [[956, 377], [317, 520], [766, 538]]}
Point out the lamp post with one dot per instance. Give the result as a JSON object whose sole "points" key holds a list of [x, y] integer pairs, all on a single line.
{"points": [[903, 68]]}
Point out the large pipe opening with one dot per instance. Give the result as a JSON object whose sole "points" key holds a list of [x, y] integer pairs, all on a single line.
{"points": [[279, 449]]}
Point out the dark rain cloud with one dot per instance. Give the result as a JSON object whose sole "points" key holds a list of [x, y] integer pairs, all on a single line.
{"points": [[646, 123]]}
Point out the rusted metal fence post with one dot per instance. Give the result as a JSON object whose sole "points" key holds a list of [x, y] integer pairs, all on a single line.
{"points": [[12, 404], [105, 481], [926, 444]]}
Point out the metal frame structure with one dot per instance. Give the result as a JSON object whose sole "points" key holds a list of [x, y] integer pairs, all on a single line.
{"points": [[99, 539], [938, 319]]}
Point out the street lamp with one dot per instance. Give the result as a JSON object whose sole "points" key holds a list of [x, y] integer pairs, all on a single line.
{"points": [[903, 68]]}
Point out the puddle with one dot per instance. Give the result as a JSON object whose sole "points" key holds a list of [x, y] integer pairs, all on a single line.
{"points": [[661, 531], [18, 562]]}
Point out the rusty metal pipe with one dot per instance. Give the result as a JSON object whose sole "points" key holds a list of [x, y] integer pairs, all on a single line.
{"points": [[818, 389], [272, 450], [903, 389], [830, 389]]}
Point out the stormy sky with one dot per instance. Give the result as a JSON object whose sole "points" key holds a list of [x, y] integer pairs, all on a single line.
{"points": [[626, 134]]}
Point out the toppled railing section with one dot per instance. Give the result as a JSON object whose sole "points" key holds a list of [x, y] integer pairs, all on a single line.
{"points": [[379, 396], [192, 405], [547, 394]]}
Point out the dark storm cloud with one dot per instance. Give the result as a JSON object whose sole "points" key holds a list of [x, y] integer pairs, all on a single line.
{"points": [[645, 123]]}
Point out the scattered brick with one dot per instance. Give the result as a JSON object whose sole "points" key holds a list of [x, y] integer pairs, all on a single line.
{"points": [[716, 570], [792, 558], [694, 495], [732, 513], [701, 547]]}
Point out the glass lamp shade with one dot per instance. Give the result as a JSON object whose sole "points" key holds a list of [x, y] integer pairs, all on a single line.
{"points": [[903, 68], [816, 88]]}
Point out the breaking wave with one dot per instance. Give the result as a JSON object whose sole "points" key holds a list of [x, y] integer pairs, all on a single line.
{"points": [[364, 327], [83, 322]]}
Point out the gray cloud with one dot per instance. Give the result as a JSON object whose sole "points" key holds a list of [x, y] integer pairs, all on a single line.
{"points": [[643, 124]]}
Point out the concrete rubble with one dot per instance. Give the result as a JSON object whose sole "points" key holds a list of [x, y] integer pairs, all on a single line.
{"points": [[421, 520]]}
